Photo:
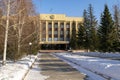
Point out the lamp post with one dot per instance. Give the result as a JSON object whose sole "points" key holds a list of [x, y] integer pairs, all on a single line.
{"points": [[30, 44]]}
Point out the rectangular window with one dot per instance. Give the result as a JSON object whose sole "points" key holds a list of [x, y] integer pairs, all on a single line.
{"points": [[50, 35], [68, 25], [55, 39], [55, 32], [61, 36], [56, 35], [43, 39], [62, 32], [67, 32], [50, 32], [56, 25], [62, 25], [50, 25], [61, 39], [49, 39], [67, 39]]}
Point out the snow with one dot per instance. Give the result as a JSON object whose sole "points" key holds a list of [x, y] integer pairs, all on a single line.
{"points": [[34, 73], [16, 70], [111, 55], [93, 65]]}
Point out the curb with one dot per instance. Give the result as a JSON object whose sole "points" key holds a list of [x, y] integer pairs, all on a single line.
{"points": [[30, 67]]}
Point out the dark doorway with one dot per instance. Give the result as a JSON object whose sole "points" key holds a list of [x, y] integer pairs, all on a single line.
{"points": [[54, 46]]}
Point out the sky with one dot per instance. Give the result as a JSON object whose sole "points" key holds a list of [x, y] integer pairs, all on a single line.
{"points": [[72, 7]]}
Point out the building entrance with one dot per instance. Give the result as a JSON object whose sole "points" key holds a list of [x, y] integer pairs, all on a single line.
{"points": [[54, 46]]}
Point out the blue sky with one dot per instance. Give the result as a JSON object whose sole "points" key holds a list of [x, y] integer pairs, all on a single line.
{"points": [[72, 7]]}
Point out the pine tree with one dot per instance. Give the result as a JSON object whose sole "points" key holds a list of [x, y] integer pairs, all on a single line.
{"points": [[106, 31], [81, 36], [73, 41], [92, 24], [117, 27], [86, 26]]}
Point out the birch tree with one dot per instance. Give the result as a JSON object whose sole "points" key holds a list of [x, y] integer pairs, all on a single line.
{"points": [[6, 32], [21, 26]]}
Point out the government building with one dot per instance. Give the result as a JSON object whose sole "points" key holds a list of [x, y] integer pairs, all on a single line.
{"points": [[56, 30]]}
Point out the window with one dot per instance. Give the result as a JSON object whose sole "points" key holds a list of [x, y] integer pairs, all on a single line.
{"points": [[67, 39], [61, 39], [55, 32], [68, 25], [56, 25], [55, 35], [43, 39], [67, 32], [61, 32], [50, 32], [62, 36], [50, 35], [55, 39], [50, 25], [62, 25], [49, 39]]}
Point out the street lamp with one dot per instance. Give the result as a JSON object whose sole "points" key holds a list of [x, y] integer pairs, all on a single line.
{"points": [[30, 44]]}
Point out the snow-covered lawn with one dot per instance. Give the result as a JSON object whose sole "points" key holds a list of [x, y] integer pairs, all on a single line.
{"points": [[17, 70], [104, 67], [111, 55]]}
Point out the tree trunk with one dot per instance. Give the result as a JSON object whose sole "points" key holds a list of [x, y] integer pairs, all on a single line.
{"points": [[6, 33]]}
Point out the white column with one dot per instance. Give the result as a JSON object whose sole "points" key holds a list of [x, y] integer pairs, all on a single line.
{"points": [[46, 31], [76, 26], [70, 29], [52, 31], [40, 31]]}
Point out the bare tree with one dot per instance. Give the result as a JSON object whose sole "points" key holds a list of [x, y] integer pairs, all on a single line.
{"points": [[6, 32], [21, 24]]}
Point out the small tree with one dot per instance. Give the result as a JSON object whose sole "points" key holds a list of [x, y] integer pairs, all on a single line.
{"points": [[73, 41], [81, 36]]}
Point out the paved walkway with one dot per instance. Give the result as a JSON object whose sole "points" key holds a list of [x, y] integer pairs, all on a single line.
{"points": [[56, 69], [34, 72]]}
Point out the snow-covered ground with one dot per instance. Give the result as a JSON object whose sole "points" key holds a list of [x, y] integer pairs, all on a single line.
{"points": [[95, 68], [34, 72], [16, 70], [111, 55]]}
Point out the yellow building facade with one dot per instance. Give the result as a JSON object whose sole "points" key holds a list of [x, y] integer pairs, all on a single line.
{"points": [[56, 29]]}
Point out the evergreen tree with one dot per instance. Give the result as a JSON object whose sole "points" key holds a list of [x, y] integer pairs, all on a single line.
{"points": [[106, 31], [117, 27], [73, 41], [81, 36], [92, 32], [86, 26]]}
